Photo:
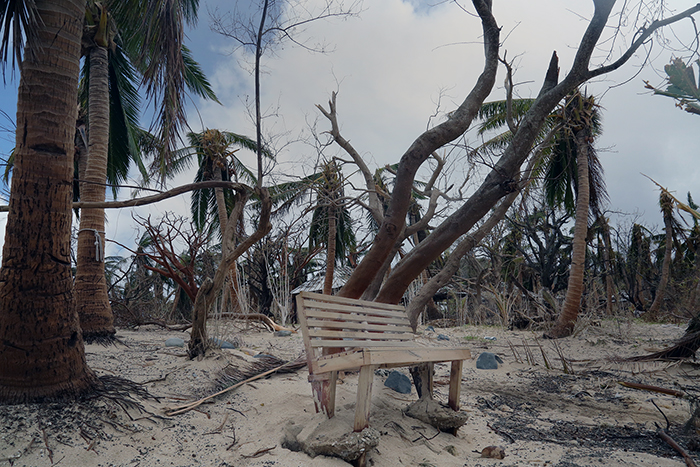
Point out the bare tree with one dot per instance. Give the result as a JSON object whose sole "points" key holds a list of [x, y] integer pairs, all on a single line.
{"points": [[502, 179]]}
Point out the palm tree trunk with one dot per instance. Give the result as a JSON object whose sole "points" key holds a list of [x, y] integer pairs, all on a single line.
{"points": [[667, 209], [572, 302], [330, 253], [92, 299], [42, 355]]}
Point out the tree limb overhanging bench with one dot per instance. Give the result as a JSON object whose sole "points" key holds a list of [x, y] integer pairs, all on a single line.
{"points": [[346, 334]]}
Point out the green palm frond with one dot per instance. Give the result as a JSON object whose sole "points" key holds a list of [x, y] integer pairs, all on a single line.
{"points": [[154, 37], [215, 150], [345, 241], [493, 114], [493, 118], [125, 104], [19, 20], [195, 79]]}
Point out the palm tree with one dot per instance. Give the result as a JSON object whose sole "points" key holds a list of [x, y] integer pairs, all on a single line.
{"points": [[573, 175], [215, 151], [331, 224], [574, 148], [42, 355], [112, 142], [217, 161]]}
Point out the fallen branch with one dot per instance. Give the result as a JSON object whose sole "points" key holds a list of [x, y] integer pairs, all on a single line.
{"points": [[265, 320], [688, 460], [647, 387], [169, 327], [187, 407], [154, 198]]}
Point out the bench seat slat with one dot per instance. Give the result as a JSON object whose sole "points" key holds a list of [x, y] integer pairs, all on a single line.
{"points": [[388, 357], [334, 343], [324, 324]]}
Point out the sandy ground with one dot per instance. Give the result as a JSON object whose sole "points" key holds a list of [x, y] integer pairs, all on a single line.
{"points": [[541, 416]]}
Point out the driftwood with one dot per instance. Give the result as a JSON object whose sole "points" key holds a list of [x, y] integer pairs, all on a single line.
{"points": [[271, 325]]}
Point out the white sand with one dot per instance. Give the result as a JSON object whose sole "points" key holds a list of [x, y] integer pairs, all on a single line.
{"points": [[539, 416]]}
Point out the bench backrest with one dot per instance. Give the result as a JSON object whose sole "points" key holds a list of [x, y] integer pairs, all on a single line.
{"points": [[329, 322]]}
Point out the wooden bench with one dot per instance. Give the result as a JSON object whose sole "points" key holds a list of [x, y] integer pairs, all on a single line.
{"points": [[346, 334]]}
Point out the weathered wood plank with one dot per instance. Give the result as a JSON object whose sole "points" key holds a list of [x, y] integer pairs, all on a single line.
{"points": [[455, 384], [320, 323], [311, 296], [364, 398], [311, 307], [355, 317], [355, 343], [387, 336], [388, 358]]}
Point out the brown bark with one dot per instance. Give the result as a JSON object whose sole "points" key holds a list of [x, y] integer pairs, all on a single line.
{"points": [[572, 302], [500, 181], [330, 251], [427, 292], [42, 355], [229, 254], [394, 220], [92, 299]]}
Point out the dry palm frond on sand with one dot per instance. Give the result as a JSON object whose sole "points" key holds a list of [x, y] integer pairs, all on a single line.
{"points": [[234, 377]]}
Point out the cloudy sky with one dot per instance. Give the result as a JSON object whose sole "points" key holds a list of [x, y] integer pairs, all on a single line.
{"points": [[402, 63]]}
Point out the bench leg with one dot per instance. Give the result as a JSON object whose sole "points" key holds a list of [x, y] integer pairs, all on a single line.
{"points": [[455, 388], [364, 398], [455, 385], [323, 389]]}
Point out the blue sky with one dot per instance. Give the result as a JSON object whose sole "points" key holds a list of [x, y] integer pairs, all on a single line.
{"points": [[396, 66]]}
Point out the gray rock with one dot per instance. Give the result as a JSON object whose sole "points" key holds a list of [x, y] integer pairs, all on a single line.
{"points": [[398, 382], [330, 438], [488, 361], [222, 343], [443, 337], [430, 328], [433, 413], [175, 342], [283, 333]]}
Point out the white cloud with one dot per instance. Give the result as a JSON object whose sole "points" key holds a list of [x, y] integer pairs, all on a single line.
{"points": [[392, 65]]}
